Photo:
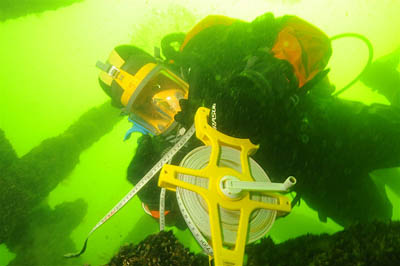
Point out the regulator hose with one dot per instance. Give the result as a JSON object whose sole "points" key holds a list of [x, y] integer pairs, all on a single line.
{"points": [[370, 56]]}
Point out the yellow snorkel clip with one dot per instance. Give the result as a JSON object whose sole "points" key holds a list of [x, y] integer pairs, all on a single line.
{"points": [[227, 188]]}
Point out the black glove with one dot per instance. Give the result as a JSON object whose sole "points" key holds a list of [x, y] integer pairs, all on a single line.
{"points": [[188, 110]]}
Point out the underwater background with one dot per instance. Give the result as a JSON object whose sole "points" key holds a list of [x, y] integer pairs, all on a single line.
{"points": [[48, 79]]}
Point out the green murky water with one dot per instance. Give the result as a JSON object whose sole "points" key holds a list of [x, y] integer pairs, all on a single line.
{"points": [[48, 79]]}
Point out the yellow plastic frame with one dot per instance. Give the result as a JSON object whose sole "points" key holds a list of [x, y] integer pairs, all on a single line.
{"points": [[130, 82], [213, 196]]}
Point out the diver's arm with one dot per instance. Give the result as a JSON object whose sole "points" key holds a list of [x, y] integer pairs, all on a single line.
{"points": [[368, 136], [149, 151], [145, 157], [382, 76], [382, 130]]}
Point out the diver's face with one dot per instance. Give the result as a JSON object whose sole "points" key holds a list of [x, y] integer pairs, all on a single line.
{"points": [[157, 102]]}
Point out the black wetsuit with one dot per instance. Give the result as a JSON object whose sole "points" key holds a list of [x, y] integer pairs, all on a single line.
{"points": [[329, 144]]}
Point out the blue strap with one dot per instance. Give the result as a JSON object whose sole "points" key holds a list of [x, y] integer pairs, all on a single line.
{"points": [[135, 128]]}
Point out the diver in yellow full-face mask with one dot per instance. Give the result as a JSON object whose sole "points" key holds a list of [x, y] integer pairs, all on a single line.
{"points": [[150, 95], [268, 81]]}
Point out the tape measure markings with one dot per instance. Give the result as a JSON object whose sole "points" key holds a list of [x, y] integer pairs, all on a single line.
{"points": [[139, 185], [195, 231]]}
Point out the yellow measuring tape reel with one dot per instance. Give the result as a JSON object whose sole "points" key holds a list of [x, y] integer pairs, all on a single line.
{"points": [[229, 192]]}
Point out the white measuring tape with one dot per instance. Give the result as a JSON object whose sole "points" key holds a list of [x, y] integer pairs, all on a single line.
{"points": [[162, 209], [195, 210], [165, 159], [181, 131], [193, 228], [189, 222]]}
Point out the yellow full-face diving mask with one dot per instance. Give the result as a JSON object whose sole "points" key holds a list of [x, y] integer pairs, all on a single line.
{"points": [[150, 97]]}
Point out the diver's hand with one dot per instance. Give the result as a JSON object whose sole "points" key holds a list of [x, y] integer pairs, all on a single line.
{"points": [[382, 76], [188, 110]]}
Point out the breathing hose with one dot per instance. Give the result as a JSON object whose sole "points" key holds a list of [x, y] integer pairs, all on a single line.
{"points": [[370, 56]]}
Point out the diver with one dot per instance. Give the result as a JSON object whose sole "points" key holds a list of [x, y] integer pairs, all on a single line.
{"points": [[269, 83]]}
